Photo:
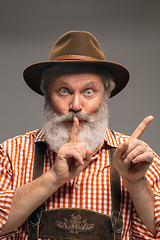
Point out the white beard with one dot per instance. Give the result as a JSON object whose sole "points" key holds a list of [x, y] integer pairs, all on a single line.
{"points": [[91, 130]]}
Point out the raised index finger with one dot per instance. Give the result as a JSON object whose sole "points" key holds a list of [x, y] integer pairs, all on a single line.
{"points": [[74, 131], [141, 127]]}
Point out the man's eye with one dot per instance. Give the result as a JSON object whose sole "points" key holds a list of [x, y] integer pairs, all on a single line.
{"points": [[63, 91], [89, 92]]}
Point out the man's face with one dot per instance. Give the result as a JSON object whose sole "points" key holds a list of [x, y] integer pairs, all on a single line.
{"points": [[78, 93], [82, 95]]}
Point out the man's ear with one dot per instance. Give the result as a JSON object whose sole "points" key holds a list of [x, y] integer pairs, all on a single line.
{"points": [[109, 94]]}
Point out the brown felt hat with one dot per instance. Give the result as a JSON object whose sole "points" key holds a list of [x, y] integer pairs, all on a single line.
{"points": [[76, 46]]}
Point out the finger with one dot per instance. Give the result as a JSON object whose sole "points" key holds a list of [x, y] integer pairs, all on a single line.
{"points": [[74, 131], [76, 157], [88, 154], [121, 149], [146, 157], [88, 158], [134, 153], [141, 127]]}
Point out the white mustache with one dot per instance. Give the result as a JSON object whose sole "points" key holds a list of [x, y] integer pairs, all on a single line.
{"points": [[81, 117]]}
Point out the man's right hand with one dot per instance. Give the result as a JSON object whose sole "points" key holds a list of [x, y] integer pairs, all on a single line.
{"points": [[71, 158]]}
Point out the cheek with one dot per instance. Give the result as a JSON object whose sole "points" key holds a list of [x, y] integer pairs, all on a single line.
{"points": [[59, 105], [93, 105]]}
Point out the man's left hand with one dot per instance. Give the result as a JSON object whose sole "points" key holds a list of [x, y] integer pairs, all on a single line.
{"points": [[132, 157]]}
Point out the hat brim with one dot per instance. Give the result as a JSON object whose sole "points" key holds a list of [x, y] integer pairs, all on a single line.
{"points": [[33, 74]]}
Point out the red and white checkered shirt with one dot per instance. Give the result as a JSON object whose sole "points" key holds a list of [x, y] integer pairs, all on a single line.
{"points": [[89, 190]]}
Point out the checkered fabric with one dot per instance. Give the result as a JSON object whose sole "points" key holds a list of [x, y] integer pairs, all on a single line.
{"points": [[89, 190]]}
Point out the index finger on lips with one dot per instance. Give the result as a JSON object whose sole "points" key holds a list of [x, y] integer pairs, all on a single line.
{"points": [[74, 131], [141, 127]]}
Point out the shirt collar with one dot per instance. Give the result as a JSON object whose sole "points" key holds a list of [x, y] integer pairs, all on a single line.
{"points": [[40, 136], [110, 138]]}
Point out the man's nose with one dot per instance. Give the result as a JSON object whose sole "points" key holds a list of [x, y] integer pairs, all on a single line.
{"points": [[76, 103]]}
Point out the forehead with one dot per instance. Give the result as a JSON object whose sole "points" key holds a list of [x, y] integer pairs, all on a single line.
{"points": [[80, 79]]}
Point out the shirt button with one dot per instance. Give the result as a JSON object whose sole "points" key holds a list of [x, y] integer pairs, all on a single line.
{"points": [[76, 186]]}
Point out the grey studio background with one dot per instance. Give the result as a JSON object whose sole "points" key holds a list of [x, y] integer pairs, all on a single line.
{"points": [[129, 33]]}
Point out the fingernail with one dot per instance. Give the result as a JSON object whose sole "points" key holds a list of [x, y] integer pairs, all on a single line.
{"points": [[134, 160], [124, 156], [126, 161]]}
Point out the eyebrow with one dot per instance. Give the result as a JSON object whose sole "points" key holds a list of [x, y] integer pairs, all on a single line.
{"points": [[87, 84], [91, 83]]}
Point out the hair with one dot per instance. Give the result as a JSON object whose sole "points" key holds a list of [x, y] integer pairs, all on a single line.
{"points": [[76, 68]]}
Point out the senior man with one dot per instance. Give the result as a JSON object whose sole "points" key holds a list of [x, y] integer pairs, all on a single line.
{"points": [[77, 83]]}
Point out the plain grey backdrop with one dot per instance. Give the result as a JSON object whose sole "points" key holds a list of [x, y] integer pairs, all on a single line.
{"points": [[129, 34]]}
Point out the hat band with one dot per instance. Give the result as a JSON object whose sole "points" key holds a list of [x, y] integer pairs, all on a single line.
{"points": [[75, 57]]}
